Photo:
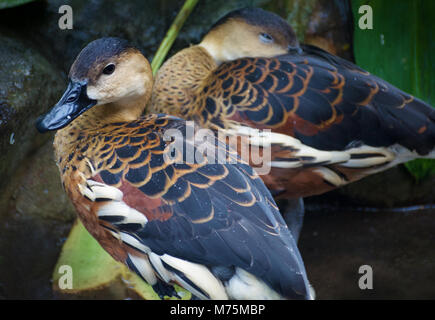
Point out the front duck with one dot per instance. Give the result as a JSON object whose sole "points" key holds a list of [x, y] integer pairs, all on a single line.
{"points": [[214, 229]]}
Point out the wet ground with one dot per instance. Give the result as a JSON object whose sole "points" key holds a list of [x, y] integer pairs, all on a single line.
{"points": [[399, 246]]}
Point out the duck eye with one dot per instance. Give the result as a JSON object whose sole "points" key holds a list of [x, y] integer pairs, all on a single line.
{"points": [[109, 69], [266, 38]]}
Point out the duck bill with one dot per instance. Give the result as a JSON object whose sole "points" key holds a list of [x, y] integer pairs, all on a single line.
{"points": [[73, 103]]}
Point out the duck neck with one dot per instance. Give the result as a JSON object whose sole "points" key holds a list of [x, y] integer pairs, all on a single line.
{"points": [[119, 111], [94, 119], [215, 48], [178, 80]]}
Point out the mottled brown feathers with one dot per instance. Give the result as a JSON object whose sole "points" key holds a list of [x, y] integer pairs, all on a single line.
{"points": [[176, 84]]}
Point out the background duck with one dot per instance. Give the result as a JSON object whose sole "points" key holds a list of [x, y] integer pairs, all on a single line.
{"points": [[212, 228], [331, 122]]}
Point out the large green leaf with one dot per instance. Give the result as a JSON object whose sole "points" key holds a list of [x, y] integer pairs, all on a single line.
{"points": [[92, 267], [400, 49], [95, 274]]}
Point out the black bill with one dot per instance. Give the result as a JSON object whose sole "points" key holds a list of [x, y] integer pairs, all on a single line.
{"points": [[73, 103]]}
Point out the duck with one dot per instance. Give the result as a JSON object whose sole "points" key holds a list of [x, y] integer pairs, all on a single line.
{"points": [[211, 228], [323, 121]]}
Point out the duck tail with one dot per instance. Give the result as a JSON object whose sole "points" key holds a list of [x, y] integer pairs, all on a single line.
{"points": [[429, 138], [414, 127]]}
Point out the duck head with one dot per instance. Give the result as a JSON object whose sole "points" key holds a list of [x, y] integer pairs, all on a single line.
{"points": [[109, 76], [249, 32]]}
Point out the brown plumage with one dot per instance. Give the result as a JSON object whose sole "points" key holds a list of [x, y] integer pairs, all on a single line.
{"points": [[212, 228], [332, 123]]}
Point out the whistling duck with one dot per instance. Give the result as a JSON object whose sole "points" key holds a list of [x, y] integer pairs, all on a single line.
{"points": [[211, 228], [331, 122]]}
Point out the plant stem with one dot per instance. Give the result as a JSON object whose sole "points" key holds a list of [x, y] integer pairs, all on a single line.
{"points": [[172, 34]]}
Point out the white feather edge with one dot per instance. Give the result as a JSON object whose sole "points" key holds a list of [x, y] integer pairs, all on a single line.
{"points": [[94, 190], [245, 286], [169, 276], [143, 265], [119, 208], [133, 242], [391, 155], [200, 275]]}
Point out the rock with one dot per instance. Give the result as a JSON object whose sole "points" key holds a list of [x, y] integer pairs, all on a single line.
{"points": [[323, 23], [35, 219], [29, 86], [330, 27], [143, 23]]}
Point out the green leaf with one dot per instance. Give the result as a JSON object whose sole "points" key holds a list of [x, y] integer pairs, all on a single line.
{"points": [[400, 49], [92, 266], [172, 34], [96, 274], [94, 270], [421, 168], [12, 3]]}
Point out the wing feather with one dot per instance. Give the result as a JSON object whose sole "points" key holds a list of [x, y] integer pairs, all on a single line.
{"points": [[326, 102], [214, 215]]}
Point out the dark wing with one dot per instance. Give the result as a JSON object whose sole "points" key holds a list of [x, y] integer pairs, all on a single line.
{"points": [[324, 101], [215, 215]]}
